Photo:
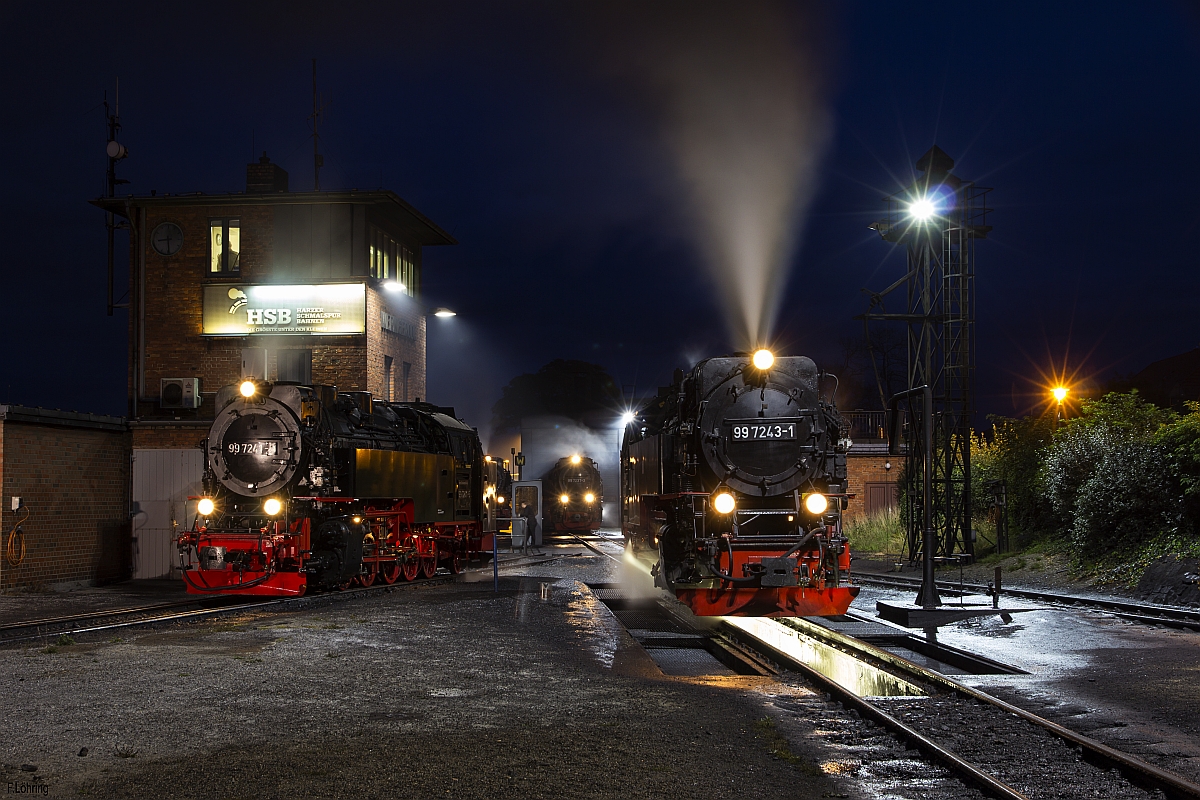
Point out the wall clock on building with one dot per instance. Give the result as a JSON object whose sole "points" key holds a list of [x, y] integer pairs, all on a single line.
{"points": [[166, 239]]}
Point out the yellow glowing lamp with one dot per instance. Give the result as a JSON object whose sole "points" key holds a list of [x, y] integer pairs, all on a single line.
{"points": [[487, 459], [1060, 393], [499, 499], [816, 503], [247, 388], [724, 503], [763, 359], [206, 506], [564, 498], [273, 506], [575, 460], [589, 498]]}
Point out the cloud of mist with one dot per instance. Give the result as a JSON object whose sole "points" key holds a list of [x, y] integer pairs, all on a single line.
{"points": [[737, 92], [546, 439]]}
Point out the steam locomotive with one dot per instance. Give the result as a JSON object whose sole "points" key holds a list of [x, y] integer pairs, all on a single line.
{"points": [[733, 482], [573, 496], [307, 487]]}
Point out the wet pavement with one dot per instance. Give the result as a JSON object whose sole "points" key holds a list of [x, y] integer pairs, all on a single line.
{"points": [[452, 689]]}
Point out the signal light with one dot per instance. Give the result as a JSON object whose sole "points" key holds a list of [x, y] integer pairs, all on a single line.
{"points": [[205, 507], [724, 503], [272, 506]]}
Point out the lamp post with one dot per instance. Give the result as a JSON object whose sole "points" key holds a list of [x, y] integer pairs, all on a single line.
{"points": [[1060, 394]]}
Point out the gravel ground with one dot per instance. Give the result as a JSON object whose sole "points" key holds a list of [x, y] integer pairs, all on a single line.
{"points": [[425, 691]]}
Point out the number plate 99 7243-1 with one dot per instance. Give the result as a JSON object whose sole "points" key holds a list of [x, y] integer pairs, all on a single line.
{"points": [[762, 431]]}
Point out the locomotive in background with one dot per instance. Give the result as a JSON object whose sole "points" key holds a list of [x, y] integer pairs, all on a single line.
{"points": [[572, 496], [307, 487], [733, 481]]}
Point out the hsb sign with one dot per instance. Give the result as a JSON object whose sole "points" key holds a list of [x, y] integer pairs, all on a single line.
{"points": [[268, 316]]}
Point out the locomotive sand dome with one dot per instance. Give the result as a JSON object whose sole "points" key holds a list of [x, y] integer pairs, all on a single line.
{"points": [[733, 480]]}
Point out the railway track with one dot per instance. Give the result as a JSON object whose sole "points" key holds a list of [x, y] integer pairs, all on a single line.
{"points": [[1134, 612], [196, 608], [995, 747]]}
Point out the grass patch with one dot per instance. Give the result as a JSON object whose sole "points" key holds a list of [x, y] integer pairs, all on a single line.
{"points": [[125, 751], [778, 746], [48, 650], [65, 641], [879, 533]]}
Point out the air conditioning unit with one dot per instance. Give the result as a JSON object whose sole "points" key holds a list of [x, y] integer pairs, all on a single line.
{"points": [[179, 393]]}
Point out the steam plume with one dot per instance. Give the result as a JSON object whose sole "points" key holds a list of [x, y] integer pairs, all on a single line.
{"points": [[737, 91]]}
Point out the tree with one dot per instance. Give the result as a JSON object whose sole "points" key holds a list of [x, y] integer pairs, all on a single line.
{"points": [[577, 390]]}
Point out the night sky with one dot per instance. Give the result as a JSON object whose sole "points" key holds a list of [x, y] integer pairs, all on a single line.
{"points": [[505, 124]]}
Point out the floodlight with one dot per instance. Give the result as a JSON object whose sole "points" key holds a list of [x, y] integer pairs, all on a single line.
{"points": [[394, 286], [443, 313], [1060, 393], [922, 209]]}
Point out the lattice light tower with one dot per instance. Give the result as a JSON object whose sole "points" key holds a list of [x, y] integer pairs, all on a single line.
{"points": [[938, 218]]}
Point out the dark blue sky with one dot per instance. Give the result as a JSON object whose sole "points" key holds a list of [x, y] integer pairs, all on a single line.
{"points": [[499, 125]]}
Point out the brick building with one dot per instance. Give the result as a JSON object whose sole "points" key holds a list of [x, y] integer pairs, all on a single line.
{"points": [[870, 473], [311, 287], [71, 474]]}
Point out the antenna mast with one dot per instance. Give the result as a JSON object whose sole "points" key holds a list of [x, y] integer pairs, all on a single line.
{"points": [[116, 151], [318, 159]]}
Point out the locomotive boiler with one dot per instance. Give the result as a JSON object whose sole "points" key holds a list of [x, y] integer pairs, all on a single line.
{"points": [[733, 481], [573, 496], [307, 487]]}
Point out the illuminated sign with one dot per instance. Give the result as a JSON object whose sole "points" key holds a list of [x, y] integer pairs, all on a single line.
{"points": [[241, 310]]}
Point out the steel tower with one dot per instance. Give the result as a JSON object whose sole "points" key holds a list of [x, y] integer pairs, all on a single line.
{"points": [[937, 218]]}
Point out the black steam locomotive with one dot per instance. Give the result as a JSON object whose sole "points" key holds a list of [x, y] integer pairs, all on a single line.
{"points": [[733, 481], [307, 487], [573, 496]]}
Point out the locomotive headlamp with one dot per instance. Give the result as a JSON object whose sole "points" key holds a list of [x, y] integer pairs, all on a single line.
{"points": [[272, 506], [564, 498], [724, 503], [356, 520], [816, 503], [488, 459], [499, 499], [763, 359], [205, 507], [575, 460], [589, 498], [247, 388]]}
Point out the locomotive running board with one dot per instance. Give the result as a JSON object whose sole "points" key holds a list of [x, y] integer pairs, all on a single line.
{"points": [[779, 601]]}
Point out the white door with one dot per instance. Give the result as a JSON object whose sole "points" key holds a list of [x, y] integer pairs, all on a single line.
{"points": [[162, 482]]}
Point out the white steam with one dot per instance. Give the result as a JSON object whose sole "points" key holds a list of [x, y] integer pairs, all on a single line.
{"points": [[737, 90], [546, 439]]}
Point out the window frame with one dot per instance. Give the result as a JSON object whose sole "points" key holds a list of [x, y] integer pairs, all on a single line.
{"points": [[226, 224]]}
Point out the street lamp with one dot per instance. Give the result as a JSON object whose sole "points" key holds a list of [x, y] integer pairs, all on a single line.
{"points": [[1059, 393]]}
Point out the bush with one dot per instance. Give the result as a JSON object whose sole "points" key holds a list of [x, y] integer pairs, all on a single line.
{"points": [[1014, 455]]}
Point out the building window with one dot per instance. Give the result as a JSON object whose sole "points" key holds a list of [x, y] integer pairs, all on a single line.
{"points": [[405, 369], [391, 260], [224, 245], [388, 394], [295, 366]]}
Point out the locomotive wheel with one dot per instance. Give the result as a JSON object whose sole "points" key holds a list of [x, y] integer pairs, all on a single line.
{"points": [[429, 562], [367, 579], [390, 572], [412, 567], [454, 562]]}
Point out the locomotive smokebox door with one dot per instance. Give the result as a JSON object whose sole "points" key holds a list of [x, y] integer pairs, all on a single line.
{"points": [[529, 492]]}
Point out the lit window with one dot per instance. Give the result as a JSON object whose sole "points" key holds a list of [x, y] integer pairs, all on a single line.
{"points": [[224, 245], [388, 260]]}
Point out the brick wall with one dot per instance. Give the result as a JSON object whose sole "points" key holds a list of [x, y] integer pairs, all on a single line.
{"points": [[75, 483], [861, 470], [168, 437]]}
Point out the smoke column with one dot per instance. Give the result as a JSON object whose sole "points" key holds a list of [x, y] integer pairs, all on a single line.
{"points": [[736, 89]]}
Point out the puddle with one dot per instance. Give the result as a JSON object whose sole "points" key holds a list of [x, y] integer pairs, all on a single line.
{"points": [[849, 673]]}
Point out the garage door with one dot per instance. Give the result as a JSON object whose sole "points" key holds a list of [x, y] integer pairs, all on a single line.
{"points": [[162, 482]]}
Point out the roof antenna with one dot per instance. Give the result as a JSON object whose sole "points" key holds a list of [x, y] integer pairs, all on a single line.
{"points": [[116, 151], [318, 159]]}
